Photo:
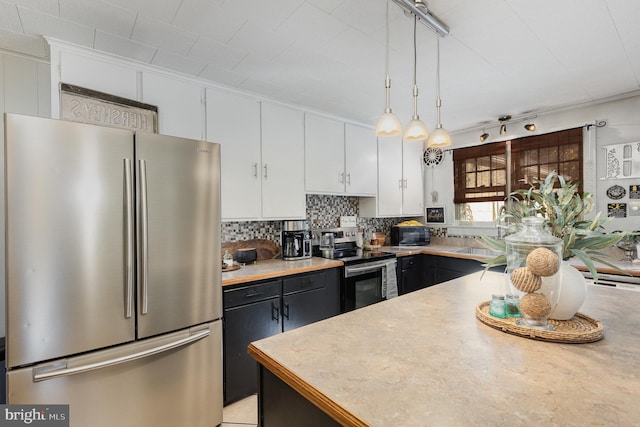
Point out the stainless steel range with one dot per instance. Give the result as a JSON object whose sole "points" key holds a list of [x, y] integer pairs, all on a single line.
{"points": [[368, 276]]}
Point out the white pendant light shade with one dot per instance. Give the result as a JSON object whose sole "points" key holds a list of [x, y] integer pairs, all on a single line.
{"points": [[388, 125], [416, 130], [439, 138]]}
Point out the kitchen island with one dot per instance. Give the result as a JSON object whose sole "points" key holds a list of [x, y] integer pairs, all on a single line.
{"points": [[424, 359]]}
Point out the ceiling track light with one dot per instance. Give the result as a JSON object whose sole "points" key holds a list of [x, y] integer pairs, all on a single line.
{"points": [[531, 127], [419, 9], [484, 136], [503, 127]]}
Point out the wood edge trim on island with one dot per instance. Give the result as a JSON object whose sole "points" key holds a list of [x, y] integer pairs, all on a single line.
{"points": [[321, 401]]}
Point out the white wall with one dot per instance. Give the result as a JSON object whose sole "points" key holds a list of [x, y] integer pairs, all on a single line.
{"points": [[623, 125], [24, 89]]}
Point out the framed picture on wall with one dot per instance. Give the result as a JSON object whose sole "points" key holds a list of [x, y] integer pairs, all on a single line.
{"points": [[435, 215]]}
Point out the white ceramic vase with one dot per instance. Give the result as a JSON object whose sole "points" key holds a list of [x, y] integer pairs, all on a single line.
{"points": [[572, 293]]}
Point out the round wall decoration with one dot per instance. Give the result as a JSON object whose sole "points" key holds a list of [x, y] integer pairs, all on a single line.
{"points": [[433, 156], [616, 192]]}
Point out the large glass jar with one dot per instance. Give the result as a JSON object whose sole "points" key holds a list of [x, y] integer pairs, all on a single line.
{"points": [[533, 271]]}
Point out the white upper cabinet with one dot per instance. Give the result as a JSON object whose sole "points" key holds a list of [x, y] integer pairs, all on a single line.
{"points": [[361, 160], [233, 121], [324, 155], [25, 86], [92, 72], [282, 169], [413, 183], [339, 158], [400, 185], [180, 105]]}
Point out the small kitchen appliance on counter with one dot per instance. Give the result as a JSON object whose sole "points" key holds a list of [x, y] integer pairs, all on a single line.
{"points": [[410, 235], [366, 274], [296, 240]]}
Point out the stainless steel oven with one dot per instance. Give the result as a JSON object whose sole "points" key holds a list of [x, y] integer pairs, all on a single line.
{"points": [[363, 283], [368, 277]]}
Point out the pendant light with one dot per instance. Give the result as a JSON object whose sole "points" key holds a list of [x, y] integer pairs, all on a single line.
{"points": [[416, 130], [440, 137], [388, 124]]}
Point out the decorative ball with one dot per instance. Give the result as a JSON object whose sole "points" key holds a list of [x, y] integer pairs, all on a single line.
{"points": [[543, 262], [524, 280], [535, 305]]}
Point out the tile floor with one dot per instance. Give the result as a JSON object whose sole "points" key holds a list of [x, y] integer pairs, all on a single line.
{"points": [[243, 413]]}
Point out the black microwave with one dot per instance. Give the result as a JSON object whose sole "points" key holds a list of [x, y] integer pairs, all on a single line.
{"points": [[410, 235]]}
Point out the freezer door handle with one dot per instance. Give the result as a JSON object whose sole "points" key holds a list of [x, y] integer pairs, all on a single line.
{"points": [[44, 373], [143, 255], [129, 238]]}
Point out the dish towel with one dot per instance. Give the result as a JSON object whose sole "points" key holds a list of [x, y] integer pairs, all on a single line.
{"points": [[389, 281]]}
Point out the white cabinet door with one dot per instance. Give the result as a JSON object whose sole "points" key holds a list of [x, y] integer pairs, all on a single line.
{"points": [[233, 121], [98, 74], [361, 157], [180, 107], [390, 181], [282, 171], [324, 155], [413, 194]]}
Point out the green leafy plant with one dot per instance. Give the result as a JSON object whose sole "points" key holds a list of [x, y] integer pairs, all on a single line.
{"points": [[564, 210]]}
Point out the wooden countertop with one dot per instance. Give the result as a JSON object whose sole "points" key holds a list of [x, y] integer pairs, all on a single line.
{"points": [[271, 268], [424, 359]]}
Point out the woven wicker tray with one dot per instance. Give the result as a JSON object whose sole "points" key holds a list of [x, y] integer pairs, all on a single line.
{"points": [[579, 329]]}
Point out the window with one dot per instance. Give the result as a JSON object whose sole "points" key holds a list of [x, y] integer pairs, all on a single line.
{"points": [[480, 173], [534, 157], [484, 175]]}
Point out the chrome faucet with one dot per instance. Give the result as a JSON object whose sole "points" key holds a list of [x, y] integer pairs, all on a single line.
{"points": [[502, 211]]}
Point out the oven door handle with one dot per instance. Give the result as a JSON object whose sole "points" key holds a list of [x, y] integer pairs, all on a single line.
{"points": [[370, 267]]}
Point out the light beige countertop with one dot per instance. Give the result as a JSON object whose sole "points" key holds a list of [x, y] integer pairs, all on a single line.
{"points": [[271, 268], [632, 268], [423, 359]]}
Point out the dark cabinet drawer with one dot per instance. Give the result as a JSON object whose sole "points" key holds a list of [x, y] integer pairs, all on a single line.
{"points": [[304, 282], [408, 261], [252, 293]]}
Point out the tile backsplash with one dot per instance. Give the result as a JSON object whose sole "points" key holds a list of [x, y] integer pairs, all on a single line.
{"points": [[322, 212]]}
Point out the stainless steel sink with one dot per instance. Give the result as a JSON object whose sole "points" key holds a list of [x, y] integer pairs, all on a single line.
{"points": [[479, 252]]}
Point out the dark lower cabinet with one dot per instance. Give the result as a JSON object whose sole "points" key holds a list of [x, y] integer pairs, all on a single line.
{"points": [[261, 309], [250, 313], [410, 274], [280, 405], [448, 268]]}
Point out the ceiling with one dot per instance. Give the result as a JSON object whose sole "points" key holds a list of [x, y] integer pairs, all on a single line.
{"points": [[502, 56]]}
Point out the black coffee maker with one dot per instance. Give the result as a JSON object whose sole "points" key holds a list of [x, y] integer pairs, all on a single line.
{"points": [[296, 240]]}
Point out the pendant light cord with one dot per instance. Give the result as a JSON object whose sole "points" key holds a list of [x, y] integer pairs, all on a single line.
{"points": [[438, 101], [386, 59], [415, 62]]}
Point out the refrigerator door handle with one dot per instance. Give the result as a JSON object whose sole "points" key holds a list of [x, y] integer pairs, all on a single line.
{"points": [[43, 374], [129, 219], [143, 256]]}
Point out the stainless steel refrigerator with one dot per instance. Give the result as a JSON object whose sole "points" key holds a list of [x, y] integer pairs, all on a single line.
{"points": [[113, 274]]}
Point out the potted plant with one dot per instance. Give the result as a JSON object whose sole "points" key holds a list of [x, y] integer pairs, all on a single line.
{"points": [[564, 210]]}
